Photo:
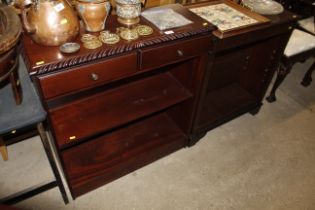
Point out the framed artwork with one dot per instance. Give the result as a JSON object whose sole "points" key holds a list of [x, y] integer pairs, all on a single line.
{"points": [[228, 16]]}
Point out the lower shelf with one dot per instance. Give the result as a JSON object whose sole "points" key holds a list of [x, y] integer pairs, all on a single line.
{"points": [[99, 161], [224, 103]]}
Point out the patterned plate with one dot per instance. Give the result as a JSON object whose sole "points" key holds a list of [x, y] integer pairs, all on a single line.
{"points": [[129, 34], [109, 38], [144, 30], [93, 44]]}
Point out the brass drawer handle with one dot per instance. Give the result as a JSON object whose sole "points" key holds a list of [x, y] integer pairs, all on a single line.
{"points": [[180, 52], [94, 76]]}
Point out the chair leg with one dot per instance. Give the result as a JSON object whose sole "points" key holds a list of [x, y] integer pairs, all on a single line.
{"points": [[16, 86], [52, 163], [308, 76], [282, 72], [3, 150]]}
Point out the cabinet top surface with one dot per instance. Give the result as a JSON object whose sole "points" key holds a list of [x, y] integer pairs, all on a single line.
{"points": [[42, 59]]}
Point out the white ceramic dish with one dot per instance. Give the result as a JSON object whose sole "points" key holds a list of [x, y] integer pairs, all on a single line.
{"points": [[264, 7], [69, 47]]}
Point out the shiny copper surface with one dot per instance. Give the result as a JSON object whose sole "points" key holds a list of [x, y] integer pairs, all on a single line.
{"points": [[93, 13], [51, 23]]}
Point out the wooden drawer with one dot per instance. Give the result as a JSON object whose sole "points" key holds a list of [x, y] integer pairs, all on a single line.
{"points": [[172, 53], [107, 110], [88, 75], [97, 162]]}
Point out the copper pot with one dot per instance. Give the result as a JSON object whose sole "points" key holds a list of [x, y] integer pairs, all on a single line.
{"points": [[50, 22]]}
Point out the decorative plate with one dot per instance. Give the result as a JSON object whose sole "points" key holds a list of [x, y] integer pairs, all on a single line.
{"points": [[144, 30], [128, 34], [264, 7], [92, 44], [108, 38]]}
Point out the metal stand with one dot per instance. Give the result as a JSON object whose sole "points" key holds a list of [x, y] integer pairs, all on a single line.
{"points": [[42, 187]]}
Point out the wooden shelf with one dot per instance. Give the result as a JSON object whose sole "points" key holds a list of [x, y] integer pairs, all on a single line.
{"points": [[111, 156], [113, 108], [223, 102]]}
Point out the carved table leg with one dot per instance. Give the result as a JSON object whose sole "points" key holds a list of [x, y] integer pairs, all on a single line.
{"points": [[282, 72], [308, 76], [3, 150]]}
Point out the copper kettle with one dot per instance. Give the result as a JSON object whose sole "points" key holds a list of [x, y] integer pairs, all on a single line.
{"points": [[49, 22]]}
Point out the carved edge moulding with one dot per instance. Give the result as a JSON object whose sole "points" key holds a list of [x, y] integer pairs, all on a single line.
{"points": [[108, 51], [229, 17], [97, 54]]}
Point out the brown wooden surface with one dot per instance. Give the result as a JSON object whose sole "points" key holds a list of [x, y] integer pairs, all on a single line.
{"points": [[241, 71], [10, 28], [88, 118], [193, 79], [168, 54], [279, 24], [116, 154], [115, 107], [81, 77], [52, 59], [3, 149]]}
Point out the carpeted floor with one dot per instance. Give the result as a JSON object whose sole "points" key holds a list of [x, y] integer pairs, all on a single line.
{"points": [[260, 162]]}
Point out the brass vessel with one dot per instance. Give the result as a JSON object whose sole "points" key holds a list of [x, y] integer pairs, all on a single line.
{"points": [[49, 22], [128, 11]]}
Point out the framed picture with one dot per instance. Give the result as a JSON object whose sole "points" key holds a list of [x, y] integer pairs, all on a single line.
{"points": [[228, 16]]}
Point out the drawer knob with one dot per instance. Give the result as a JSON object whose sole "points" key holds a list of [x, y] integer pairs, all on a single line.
{"points": [[94, 76], [180, 53]]}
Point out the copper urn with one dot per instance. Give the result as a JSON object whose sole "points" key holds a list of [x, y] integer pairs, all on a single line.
{"points": [[93, 13], [50, 22]]}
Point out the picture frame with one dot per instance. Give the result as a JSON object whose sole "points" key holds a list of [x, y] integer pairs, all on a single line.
{"points": [[229, 17]]}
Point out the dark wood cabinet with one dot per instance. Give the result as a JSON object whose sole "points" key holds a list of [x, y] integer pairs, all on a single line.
{"points": [[117, 108], [240, 72], [120, 107]]}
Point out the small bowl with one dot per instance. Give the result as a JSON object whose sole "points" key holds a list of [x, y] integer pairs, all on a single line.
{"points": [[69, 47]]}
